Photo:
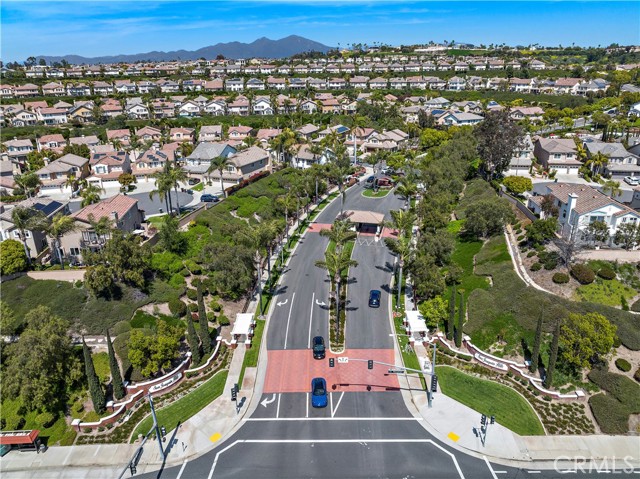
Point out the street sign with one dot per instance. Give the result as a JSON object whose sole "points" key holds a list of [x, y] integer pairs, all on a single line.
{"points": [[343, 359], [396, 371]]}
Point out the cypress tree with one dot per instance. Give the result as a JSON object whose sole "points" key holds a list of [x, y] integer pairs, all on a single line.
{"points": [[452, 312], [548, 380], [192, 339], [460, 322], [95, 388], [203, 324], [119, 390], [535, 354]]}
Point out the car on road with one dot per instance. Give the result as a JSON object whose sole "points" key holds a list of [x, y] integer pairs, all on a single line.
{"points": [[209, 198], [318, 347], [374, 298], [318, 392], [632, 180]]}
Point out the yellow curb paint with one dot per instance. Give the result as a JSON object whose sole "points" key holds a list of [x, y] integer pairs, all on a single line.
{"points": [[453, 436], [217, 436]]}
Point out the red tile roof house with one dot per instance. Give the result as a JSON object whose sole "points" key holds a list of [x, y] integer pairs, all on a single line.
{"points": [[107, 168], [55, 142], [148, 164], [122, 136], [183, 134], [122, 211], [149, 133], [239, 132]]}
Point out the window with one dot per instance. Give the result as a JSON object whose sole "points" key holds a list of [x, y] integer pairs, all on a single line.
{"points": [[74, 251], [557, 156]]}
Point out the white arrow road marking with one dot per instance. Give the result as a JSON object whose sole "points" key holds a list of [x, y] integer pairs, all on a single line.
{"points": [[320, 303], [311, 319], [266, 401], [333, 411], [286, 336], [283, 303]]}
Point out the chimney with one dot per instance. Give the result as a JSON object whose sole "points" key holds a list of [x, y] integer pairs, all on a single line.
{"points": [[114, 216], [571, 204]]}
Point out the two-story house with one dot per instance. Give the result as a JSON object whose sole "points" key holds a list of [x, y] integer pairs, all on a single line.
{"points": [[148, 164], [621, 162], [210, 133], [199, 161], [56, 176], [183, 134], [55, 142], [579, 206], [557, 154], [123, 214], [106, 168]]}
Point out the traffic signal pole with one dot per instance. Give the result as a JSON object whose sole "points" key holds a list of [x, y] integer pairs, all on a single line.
{"points": [[156, 426]]}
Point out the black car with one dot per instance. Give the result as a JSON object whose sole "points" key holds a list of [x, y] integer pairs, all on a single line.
{"points": [[318, 347], [209, 198], [374, 298]]}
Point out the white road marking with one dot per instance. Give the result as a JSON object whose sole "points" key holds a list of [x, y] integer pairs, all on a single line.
{"points": [[286, 336], [311, 318], [493, 473], [333, 411], [181, 469], [278, 409], [335, 441], [331, 400], [263, 419]]}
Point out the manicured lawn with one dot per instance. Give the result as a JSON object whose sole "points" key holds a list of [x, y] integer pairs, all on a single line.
{"points": [[603, 291], [198, 187], [510, 409], [101, 365], [157, 221], [182, 409], [59, 433], [369, 193]]}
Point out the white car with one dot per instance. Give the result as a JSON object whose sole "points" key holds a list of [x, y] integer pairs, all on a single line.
{"points": [[632, 180]]}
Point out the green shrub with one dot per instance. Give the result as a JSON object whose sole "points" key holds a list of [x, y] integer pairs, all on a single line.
{"points": [[623, 303], [119, 328], [177, 280], [79, 283], [536, 267], [211, 316], [192, 294], [177, 307], [623, 365], [223, 320], [193, 307], [560, 278], [583, 273], [46, 419], [636, 375], [193, 267], [606, 273], [531, 254], [185, 272], [521, 238], [215, 306]]}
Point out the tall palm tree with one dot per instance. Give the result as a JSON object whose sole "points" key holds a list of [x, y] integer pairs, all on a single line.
{"points": [[163, 187], [176, 175], [339, 233], [613, 187], [24, 219], [29, 182], [335, 263], [219, 163], [59, 226], [288, 203], [91, 194], [597, 162], [406, 189], [402, 221], [403, 248]]}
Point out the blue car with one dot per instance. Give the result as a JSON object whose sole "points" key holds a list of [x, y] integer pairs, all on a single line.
{"points": [[374, 298], [318, 392], [206, 198]]}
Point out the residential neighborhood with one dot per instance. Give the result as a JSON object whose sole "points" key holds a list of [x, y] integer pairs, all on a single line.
{"points": [[287, 258]]}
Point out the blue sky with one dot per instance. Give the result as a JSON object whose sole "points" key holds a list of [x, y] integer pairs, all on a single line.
{"points": [[108, 28]]}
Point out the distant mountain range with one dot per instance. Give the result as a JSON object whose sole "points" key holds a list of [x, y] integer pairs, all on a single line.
{"points": [[261, 48]]}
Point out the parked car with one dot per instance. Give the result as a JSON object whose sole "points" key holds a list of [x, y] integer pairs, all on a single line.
{"points": [[632, 180], [194, 181], [207, 198], [374, 298], [318, 347], [318, 392]]}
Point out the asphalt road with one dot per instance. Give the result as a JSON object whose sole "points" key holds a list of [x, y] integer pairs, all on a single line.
{"points": [[360, 434], [150, 206]]}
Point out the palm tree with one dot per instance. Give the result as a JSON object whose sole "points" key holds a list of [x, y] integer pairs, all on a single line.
{"points": [[29, 182], [176, 175], [335, 262], [402, 221], [163, 187], [24, 219], [597, 162], [403, 248], [406, 189], [288, 203], [71, 182], [339, 233], [56, 229], [91, 194], [219, 163], [613, 187], [101, 227]]}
